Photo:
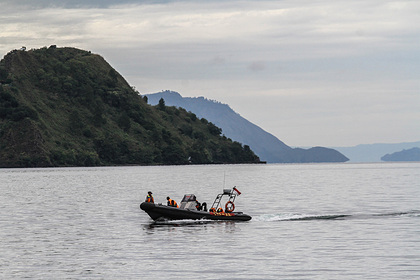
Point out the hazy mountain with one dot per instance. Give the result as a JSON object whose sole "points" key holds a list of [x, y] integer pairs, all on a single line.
{"points": [[373, 152], [69, 107], [264, 144], [412, 154]]}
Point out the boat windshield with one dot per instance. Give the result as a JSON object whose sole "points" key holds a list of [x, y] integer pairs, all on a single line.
{"points": [[188, 197]]}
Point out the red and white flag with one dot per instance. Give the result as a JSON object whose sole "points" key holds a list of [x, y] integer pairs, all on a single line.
{"points": [[236, 190]]}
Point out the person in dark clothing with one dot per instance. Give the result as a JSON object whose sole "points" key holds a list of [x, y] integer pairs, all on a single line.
{"points": [[198, 205]]}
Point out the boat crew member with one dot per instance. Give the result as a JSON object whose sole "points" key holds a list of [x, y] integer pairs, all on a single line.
{"points": [[198, 205], [172, 202], [149, 197]]}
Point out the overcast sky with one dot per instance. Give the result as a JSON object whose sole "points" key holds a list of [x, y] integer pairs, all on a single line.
{"points": [[312, 73]]}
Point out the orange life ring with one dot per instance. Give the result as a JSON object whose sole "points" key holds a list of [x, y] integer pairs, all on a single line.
{"points": [[229, 207]]}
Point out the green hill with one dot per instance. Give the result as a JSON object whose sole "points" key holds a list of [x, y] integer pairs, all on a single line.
{"points": [[268, 147], [69, 107]]}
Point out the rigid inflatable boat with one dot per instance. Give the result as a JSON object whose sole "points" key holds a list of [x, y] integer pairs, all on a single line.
{"points": [[190, 209]]}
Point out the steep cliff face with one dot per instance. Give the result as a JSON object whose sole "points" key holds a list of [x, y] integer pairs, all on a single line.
{"points": [[266, 146], [69, 107]]}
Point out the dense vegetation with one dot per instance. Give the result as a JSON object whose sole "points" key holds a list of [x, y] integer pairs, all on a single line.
{"points": [[267, 146], [69, 107]]}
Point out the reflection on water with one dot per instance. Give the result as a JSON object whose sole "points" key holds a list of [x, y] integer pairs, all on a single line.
{"points": [[186, 225]]}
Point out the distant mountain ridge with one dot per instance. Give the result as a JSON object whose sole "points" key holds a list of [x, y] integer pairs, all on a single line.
{"points": [[412, 154], [374, 152], [265, 145]]}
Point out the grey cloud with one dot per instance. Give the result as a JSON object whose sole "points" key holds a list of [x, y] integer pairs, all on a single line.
{"points": [[38, 4], [257, 66], [218, 59], [301, 50]]}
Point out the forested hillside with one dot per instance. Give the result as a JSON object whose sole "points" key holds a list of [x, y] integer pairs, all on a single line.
{"points": [[268, 147], [69, 107]]}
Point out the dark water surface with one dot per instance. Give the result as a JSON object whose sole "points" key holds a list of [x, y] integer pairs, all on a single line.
{"points": [[320, 221]]}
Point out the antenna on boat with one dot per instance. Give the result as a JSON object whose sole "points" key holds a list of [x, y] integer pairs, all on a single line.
{"points": [[224, 179]]}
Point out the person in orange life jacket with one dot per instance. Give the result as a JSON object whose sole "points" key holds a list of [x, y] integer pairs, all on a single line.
{"points": [[172, 202], [149, 197]]}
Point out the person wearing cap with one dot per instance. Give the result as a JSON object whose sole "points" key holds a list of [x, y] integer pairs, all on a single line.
{"points": [[172, 202], [149, 197]]}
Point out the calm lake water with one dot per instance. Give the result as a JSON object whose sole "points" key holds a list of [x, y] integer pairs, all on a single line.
{"points": [[310, 221]]}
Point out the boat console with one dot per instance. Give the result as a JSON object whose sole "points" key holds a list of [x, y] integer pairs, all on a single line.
{"points": [[188, 202]]}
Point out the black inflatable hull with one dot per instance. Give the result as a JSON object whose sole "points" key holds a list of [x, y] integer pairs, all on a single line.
{"points": [[161, 212]]}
